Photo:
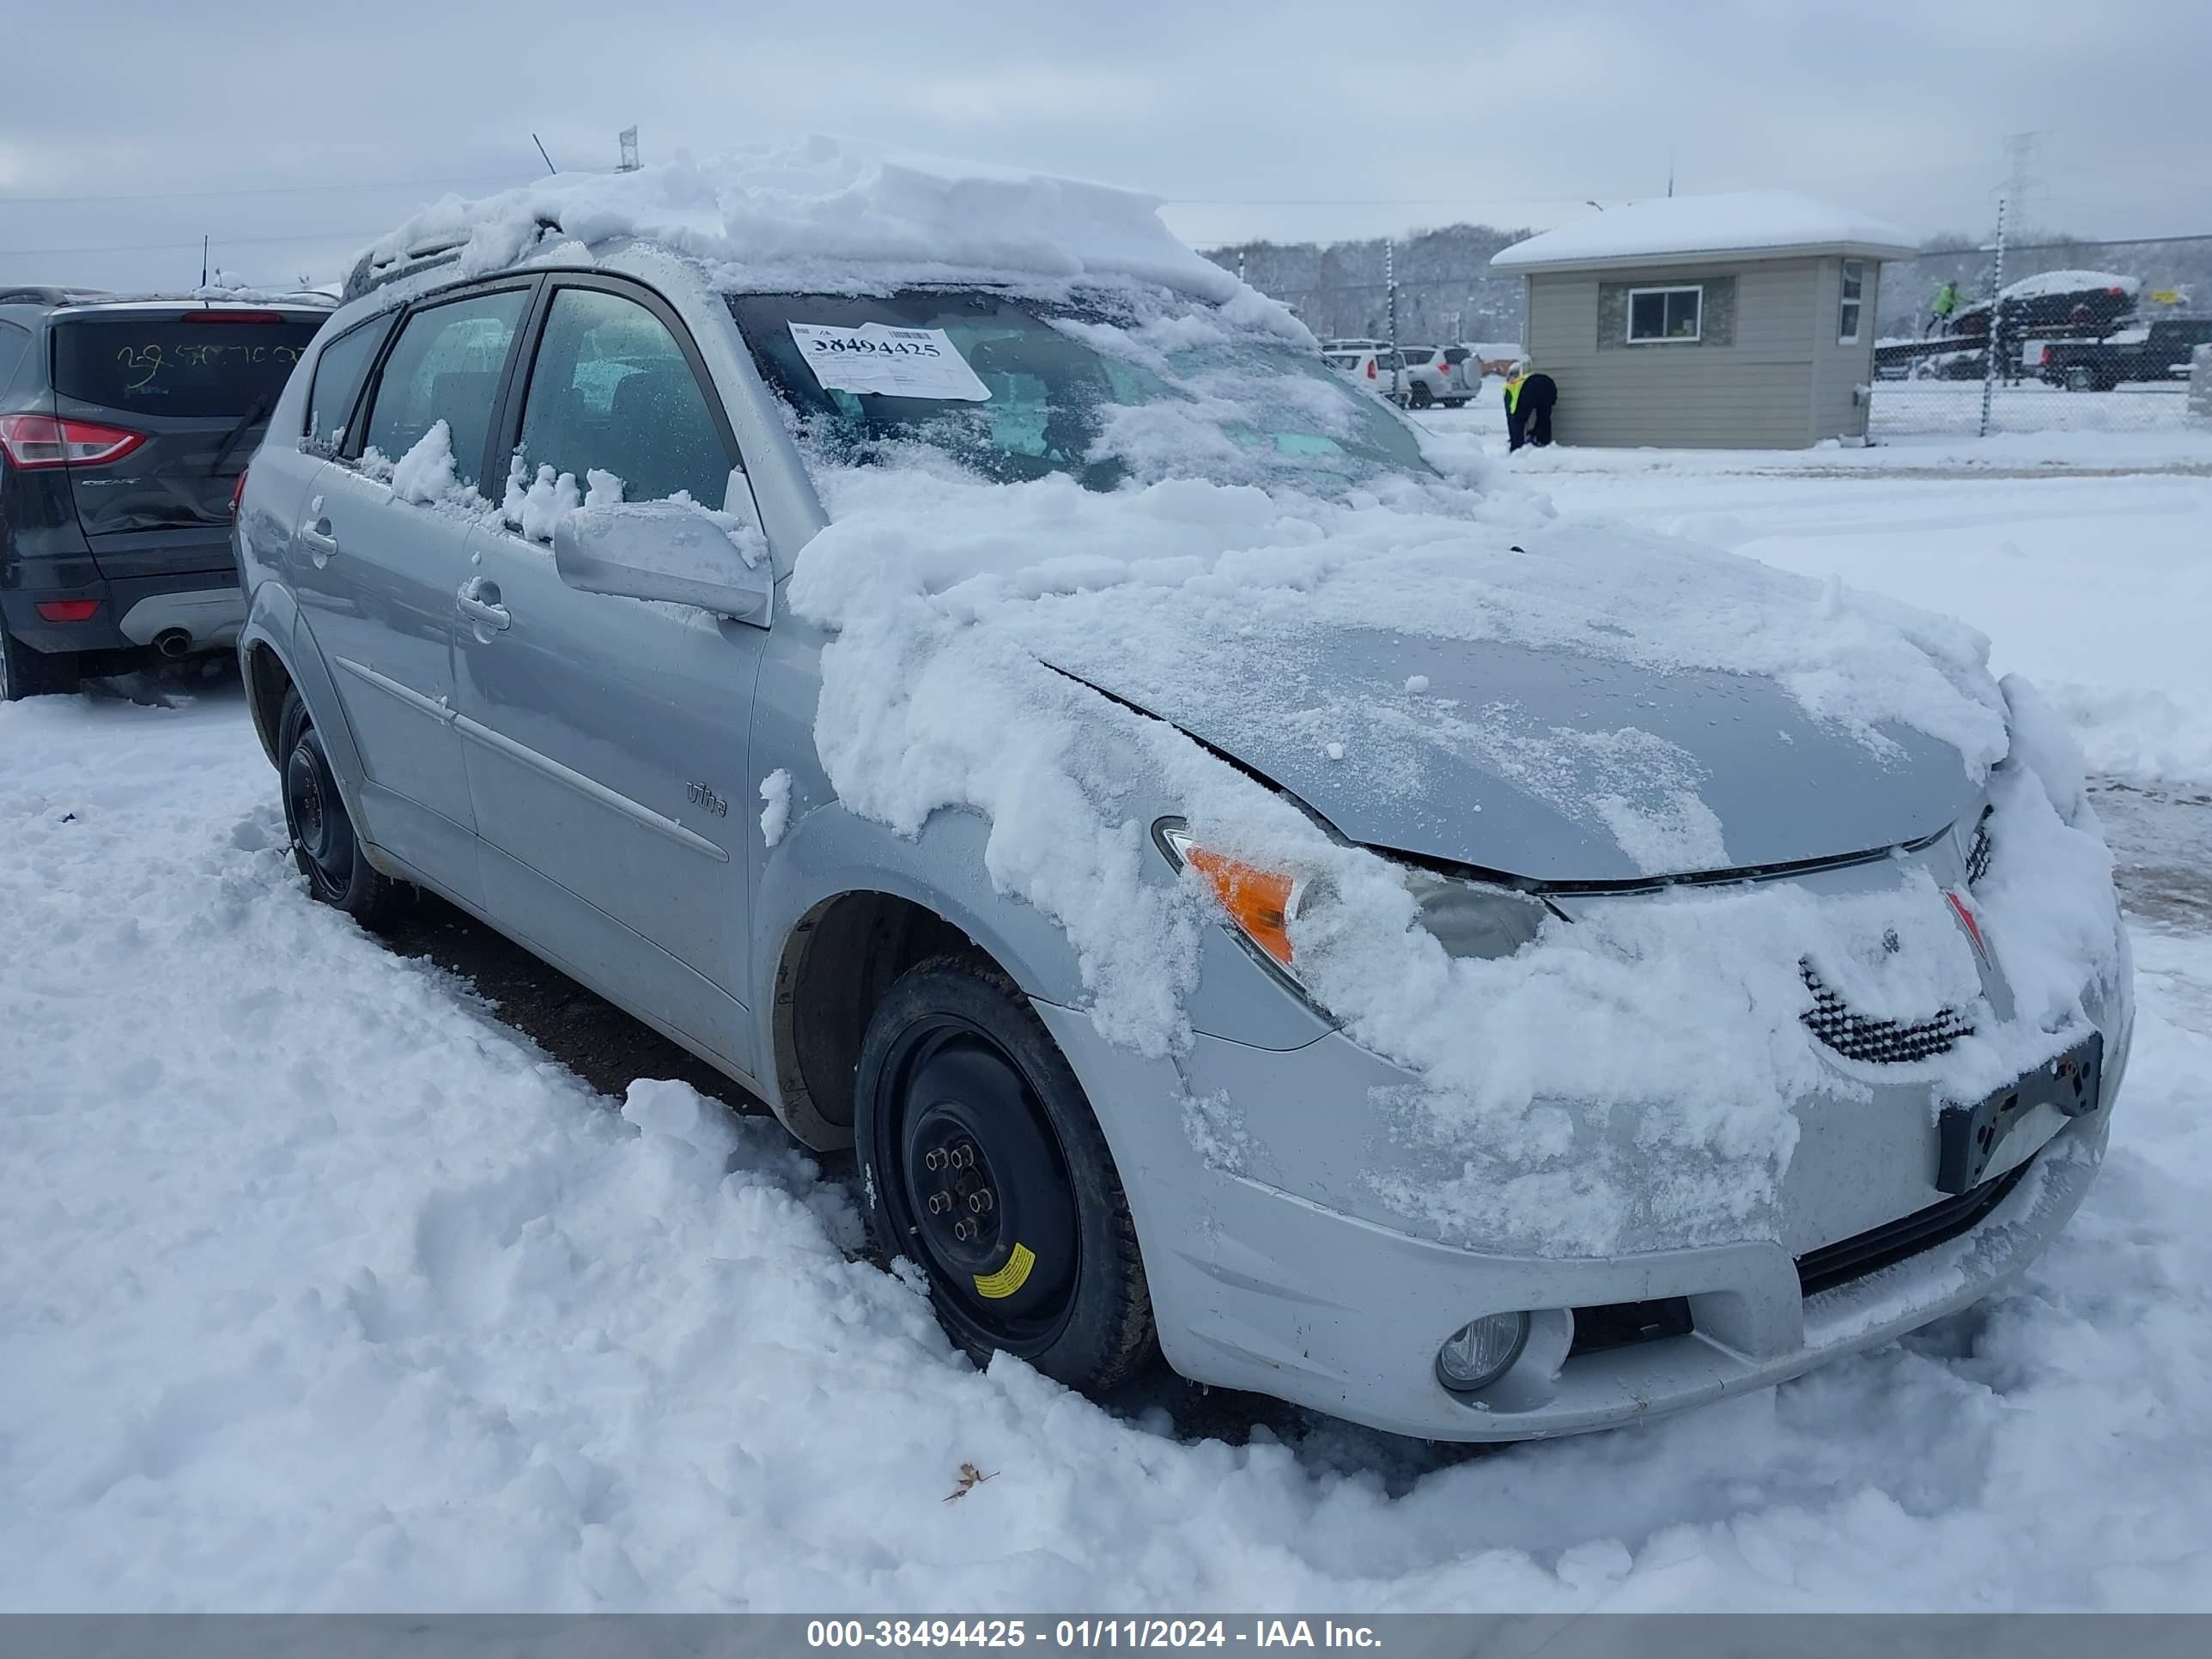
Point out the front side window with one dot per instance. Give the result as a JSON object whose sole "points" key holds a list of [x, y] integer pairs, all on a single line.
{"points": [[1847, 320], [445, 367], [1666, 314], [612, 391], [1014, 389], [339, 371]]}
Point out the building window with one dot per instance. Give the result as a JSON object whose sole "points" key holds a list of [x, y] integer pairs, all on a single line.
{"points": [[1666, 314], [1847, 317]]}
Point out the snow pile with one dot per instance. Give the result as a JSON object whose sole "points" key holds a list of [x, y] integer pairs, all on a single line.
{"points": [[807, 214], [949, 597], [1751, 221], [322, 1291]]}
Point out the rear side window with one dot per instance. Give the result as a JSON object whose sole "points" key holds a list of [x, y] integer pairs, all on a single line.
{"points": [[340, 368], [195, 364], [445, 367], [14, 342], [612, 391]]}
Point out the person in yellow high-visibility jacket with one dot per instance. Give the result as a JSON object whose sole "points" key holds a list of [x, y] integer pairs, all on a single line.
{"points": [[1528, 400]]}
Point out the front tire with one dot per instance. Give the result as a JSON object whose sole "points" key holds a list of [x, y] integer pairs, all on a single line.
{"points": [[324, 844], [985, 1167]]}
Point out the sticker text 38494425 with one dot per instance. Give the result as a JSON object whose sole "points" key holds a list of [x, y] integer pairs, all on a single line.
{"points": [[895, 362]]}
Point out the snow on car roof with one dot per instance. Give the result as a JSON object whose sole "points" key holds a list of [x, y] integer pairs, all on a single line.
{"points": [[820, 204], [2069, 282], [1738, 221]]}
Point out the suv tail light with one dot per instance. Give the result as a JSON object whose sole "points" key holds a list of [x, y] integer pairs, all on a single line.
{"points": [[1370, 369], [237, 493], [32, 441], [68, 610]]}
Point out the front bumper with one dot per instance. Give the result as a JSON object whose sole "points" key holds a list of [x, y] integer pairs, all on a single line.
{"points": [[1260, 1288], [1347, 1317]]}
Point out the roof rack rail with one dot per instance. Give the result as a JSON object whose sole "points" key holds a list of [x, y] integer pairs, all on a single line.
{"points": [[369, 273], [40, 294]]}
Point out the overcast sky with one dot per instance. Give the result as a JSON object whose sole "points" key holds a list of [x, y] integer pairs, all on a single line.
{"points": [[293, 133]]}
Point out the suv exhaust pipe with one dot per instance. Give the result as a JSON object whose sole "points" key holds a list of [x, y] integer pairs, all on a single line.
{"points": [[172, 641]]}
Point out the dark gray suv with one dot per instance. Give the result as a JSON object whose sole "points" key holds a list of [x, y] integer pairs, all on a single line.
{"points": [[125, 424]]}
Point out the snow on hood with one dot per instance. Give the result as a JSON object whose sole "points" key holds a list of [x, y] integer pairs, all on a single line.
{"points": [[1470, 681], [819, 212], [960, 609], [1763, 220]]}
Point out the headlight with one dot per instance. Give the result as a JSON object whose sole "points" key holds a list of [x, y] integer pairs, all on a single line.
{"points": [[1469, 919], [1262, 903]]}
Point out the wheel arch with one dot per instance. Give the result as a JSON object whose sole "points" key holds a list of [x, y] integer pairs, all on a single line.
{"points": [[844, 907], [276, 654]]}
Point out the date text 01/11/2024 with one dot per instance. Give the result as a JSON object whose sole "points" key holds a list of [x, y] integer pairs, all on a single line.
{"points": [[1089, 1633]]}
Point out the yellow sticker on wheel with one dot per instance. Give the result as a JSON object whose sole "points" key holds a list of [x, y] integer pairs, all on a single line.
{"points": [[1010, 1278]]}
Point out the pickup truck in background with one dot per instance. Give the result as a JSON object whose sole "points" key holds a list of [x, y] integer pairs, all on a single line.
{"points": [[2158, 350]]}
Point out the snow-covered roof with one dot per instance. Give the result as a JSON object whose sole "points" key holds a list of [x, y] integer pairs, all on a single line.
{"points": [[818, 206], [1676, 227], [2070, 282]]}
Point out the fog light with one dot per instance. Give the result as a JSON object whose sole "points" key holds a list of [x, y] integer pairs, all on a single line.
{"points": [[1478, 1353]]}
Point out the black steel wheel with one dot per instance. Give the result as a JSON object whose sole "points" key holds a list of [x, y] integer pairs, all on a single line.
{"points": [[28, 673], [986, 1168], [324, 844]]}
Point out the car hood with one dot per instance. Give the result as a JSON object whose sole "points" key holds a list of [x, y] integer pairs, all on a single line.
{"points": [[1545, 763]]}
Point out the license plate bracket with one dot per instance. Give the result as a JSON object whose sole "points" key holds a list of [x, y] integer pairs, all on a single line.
{"points": [[1976, 1143]]}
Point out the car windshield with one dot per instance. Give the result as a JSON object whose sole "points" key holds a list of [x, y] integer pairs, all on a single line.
{"points": [[1015, 389]]}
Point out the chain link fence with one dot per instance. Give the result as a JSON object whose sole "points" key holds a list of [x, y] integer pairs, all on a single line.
{"points": [[2062, 336], [2090, 336]]}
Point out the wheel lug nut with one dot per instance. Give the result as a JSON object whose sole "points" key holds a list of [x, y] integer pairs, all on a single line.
{"points": [[939, 1203], [964, 1231], [934, 1159], [980, 1201]]}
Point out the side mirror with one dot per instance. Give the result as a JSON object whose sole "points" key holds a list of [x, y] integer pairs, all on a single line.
{"points": [[665, 550]]}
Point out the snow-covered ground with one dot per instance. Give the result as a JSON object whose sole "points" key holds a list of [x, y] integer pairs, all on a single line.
{"points": [[2098, 588], [320, 1288]]}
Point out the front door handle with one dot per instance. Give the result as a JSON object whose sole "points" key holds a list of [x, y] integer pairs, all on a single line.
{"points": [[314, 534], [478, 600]]}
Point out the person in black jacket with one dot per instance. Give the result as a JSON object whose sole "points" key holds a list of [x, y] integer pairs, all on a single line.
{"points": [[1528, 400]]}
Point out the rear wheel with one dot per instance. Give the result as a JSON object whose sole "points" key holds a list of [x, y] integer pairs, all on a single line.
{"points": [[1422, 396], [2080, 379], [985, 1168], [324, 844], [28, 673]]}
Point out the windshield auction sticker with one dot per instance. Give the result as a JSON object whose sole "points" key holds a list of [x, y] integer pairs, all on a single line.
{"points": [[896, 362]]}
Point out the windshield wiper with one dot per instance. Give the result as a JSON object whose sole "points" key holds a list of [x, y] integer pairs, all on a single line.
{"points": [[258, 408]]}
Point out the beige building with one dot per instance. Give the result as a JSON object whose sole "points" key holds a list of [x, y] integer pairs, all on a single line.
{"points": [[1743, 321]]}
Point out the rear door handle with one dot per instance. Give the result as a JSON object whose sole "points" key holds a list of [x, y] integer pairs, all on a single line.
{"points": [[314, 534], [478, 600]]}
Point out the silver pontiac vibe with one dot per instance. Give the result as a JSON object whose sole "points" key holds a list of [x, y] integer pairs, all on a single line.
{"points": [[606, 747]]}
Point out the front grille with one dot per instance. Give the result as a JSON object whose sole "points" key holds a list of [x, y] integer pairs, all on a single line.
{"points": [[1893, 1240], [1883, 1042], [1979, 851]]}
